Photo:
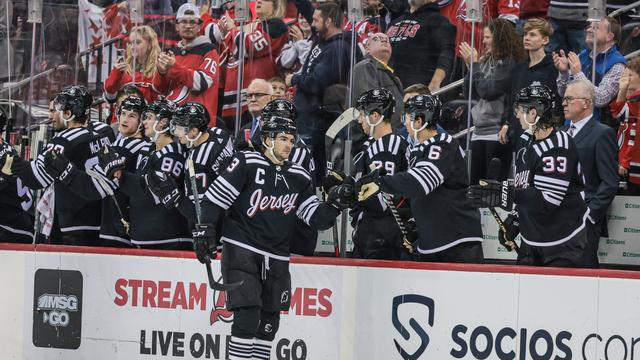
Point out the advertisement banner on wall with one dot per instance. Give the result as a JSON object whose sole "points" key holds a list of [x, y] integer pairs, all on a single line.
{"points": [[146, 307]]}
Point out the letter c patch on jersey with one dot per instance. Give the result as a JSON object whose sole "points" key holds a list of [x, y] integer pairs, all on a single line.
{"points": [[259, 176]]}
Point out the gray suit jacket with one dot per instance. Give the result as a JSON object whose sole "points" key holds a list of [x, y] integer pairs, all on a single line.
{"points": [[598, 151]]}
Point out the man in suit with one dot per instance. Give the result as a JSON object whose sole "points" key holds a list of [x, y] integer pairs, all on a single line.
{"points": [[598, 156]]}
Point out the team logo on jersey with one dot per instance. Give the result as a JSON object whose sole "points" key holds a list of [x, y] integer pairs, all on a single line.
{"points": [[413, 323], [260, 202], [284, 297], [219, 311]]}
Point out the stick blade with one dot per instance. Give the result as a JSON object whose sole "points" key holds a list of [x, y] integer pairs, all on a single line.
{"points": [[213, 284]]}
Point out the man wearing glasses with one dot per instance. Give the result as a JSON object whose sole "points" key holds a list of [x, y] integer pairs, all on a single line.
{"points": [[188, 72], [598, 156], [374, 72]]}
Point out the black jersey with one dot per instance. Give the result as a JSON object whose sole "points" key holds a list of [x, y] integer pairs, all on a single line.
{"points": [[73, 211], [549, 193], [15, 202], [436, 184], [152, 223], [263, 202], [389, 153], [135, 150], [209, 159]]}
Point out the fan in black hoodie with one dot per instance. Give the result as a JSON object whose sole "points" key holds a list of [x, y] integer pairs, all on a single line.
{"points": [[538, 67]]}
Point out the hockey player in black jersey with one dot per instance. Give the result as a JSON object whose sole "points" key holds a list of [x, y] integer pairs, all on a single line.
{"points": [[16, 224], [550, 212], [263, 195], [153, 225], [209, 149], [72, 151], [304, 238], [377, 234], [436, 184]]}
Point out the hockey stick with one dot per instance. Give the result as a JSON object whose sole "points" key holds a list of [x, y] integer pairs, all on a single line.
{"points": [[343, 120], [338, 124], [94, 174], [396, 216], [196, 199], [492, 174]]}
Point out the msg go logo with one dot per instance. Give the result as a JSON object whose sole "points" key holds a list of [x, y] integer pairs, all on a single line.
{"points": [[422, 334]]}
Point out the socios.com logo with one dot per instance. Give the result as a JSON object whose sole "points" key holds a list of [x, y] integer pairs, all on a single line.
{"points": [[422, 334]]}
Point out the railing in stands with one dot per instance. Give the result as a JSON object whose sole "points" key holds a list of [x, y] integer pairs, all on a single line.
{"points": [[625, 9], [98, 49]]}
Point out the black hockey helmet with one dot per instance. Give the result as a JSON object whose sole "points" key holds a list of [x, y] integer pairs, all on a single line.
{"points": [[162, 108], [427, 107], [75, 98], [280, 107], [380, 100], [536, 96], [276, 125], [191, 115], [133, 103]]}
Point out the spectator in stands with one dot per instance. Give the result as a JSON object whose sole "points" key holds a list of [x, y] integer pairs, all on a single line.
{"points": [[626, 108], [568, 18], [374, 72], [189, 71], [423, 45], [530, 9], [123, 93], [327, 65], [259, 93], [456, 12], [371, 23], [609, 66], [491, 81], [142, 54], [295, 52], [537, 67], [264, 39], [597, 152], [280, 88]]}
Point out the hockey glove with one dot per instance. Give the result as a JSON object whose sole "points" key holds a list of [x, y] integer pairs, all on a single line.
{"points": [[367, 185], [8, 156], [492, 193], [111, 162], [342, 196], [512, 227], [164, 187], [204, 242], [58, 166], [334, 178]]}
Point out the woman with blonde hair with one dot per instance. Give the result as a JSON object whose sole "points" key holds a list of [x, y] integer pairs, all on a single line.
{"points": [[141, 54]]}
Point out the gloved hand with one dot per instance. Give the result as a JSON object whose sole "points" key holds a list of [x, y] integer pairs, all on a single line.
{"points": [[342, 196], [367, 185], [412, 236], [8, 156], [204, 242], [492, 193], [111, 162], [512, 227], [334, 178], [164, 187], [58, 166]]}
